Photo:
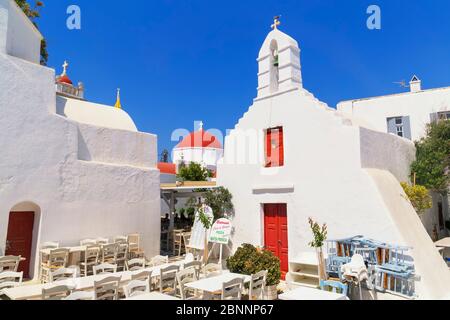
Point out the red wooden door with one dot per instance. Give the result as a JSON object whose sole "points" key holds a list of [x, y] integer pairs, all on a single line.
{"points": [[276, 233], [20, 238]]}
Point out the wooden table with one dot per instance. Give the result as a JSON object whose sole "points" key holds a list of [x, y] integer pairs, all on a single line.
{"points": [[214, 284], [310, 294], [33, 292], [153, 296]]}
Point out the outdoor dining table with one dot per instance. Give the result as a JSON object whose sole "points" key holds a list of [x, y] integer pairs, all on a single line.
{"points": [[34, 292], [308, 294], [214, 284], [153, 296]]}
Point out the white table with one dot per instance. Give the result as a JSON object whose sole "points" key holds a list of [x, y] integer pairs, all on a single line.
{"points": [[153, 296], [308, 294], [214, 284], [33, 292]]}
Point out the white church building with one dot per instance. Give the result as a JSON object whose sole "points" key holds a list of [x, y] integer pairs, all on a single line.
{"points": [[291, 157], [70, 169]]}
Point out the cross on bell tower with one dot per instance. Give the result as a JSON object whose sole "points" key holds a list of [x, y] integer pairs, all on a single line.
{"points": [[276, 22]]}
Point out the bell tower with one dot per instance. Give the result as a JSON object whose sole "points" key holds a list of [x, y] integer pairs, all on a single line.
{"points": [[279, 64]]}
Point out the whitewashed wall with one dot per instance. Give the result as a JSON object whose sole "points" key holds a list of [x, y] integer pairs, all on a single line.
{"points": [[44, 167], [417, 105], [208, 156], [18, 36]]}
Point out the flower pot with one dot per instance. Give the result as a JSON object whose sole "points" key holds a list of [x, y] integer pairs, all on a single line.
{"points": [[271, 293]]}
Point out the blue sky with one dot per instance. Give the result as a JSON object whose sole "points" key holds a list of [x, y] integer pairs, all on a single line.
{"points": [[181, 61]]}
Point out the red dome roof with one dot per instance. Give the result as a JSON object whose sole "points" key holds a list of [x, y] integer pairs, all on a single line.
{"points": [[167, 168], [64, 79], [200, 139]]}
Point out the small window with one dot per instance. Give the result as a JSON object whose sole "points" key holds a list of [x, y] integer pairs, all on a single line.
{"points": [[396, 126], [274, 148]]}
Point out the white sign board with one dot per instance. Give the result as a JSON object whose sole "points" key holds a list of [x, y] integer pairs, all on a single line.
{"points": [[198, 230], [220, 232]]}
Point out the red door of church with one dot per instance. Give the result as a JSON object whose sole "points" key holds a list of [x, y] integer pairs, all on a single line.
{"points": [[20, 238], [276, 233]]}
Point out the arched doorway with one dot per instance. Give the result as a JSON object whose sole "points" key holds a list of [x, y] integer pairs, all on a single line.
{"points": [[21, 238]]}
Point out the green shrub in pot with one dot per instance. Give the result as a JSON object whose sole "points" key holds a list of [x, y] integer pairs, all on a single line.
{"points": [[249, 260]]}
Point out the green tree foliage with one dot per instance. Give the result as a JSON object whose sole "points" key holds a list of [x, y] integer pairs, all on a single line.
{"points": [[320, 234], [419, 196], [194, 172], [220, 201], [250, 260], [432, 166], [33, 12]]}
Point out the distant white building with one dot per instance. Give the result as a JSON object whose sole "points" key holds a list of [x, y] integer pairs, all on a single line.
{"points": [[291, 157], [70, 169], [407, 115], [403, 114], [200, 147]]}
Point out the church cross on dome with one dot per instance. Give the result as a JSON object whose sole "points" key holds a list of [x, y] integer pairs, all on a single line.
{"points": [[276, 22], [65, 65]]}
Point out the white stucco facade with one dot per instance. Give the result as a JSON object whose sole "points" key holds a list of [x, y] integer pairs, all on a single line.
{"points": [[335, 170], [206, 156], [82, 177], [420, 106]]}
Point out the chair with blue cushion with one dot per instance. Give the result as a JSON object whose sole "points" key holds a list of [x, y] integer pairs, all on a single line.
{"points": [[335, 286]]}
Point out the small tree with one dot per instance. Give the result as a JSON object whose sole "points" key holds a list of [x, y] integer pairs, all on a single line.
{"points": [[194, 172], [320, 234], [419, 197], [220, 200], [433, 158]]}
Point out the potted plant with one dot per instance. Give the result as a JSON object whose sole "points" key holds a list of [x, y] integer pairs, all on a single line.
{"points": [[250, 260], [320, 234]]}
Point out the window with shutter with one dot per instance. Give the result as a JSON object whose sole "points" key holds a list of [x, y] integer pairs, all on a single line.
{"points": [[274, 147]]}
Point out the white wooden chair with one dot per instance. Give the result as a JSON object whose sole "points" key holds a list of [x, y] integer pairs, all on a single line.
{"points": [[211, 270], [143, 276], [107, 289], [184, 277], [186, 241], [232, 290], [159, 260], [55, 293], [177, 242], [122, 255], [168, 280], [58, 259], [91, 259], [63, 274], [196, 265], [88, 242], [102, 241], [50, 245], [10, 279], [135, 264], [104, 268], [109, 253], [134, 243], [121, 239], [258, 286], [79, 296], [136, 287], [9, 263]]}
